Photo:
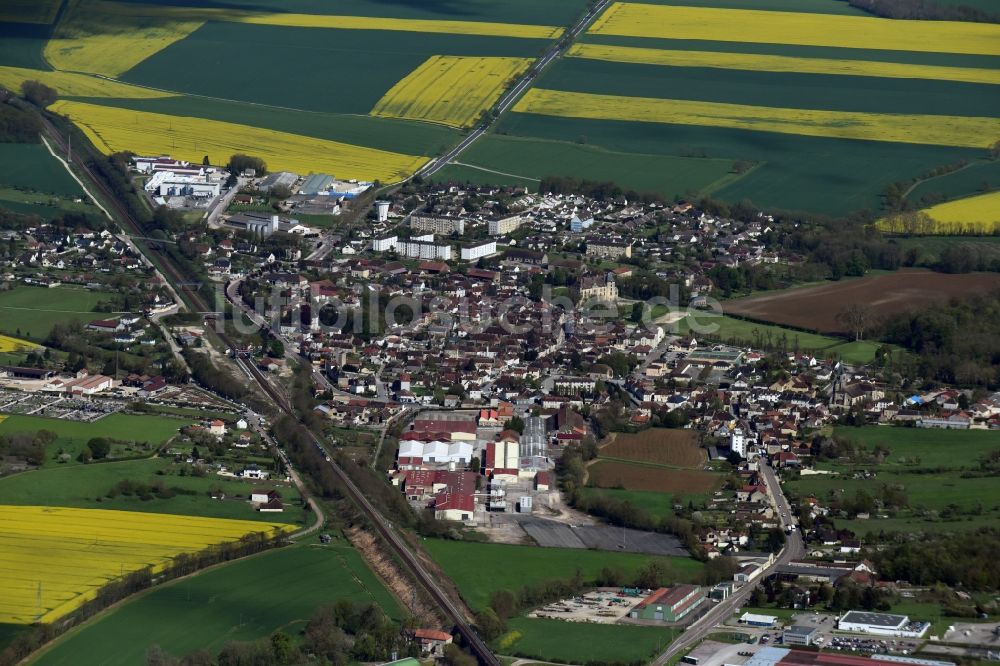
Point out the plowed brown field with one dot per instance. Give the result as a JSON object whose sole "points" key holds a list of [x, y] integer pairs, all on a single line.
{"points": [[664, 446], [815, 308], [612, 474]]}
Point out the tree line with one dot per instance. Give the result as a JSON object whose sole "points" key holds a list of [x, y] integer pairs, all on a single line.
{"points": [[927, 10]]}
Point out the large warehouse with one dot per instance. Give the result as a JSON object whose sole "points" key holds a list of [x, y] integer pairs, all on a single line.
{"points": [[669, 604], [882, 624]]}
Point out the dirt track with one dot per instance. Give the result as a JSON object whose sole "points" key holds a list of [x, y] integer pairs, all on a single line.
{"points": [[816, 308]]}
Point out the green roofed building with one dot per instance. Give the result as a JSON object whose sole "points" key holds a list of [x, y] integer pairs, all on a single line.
{"points": [[316, 183]]}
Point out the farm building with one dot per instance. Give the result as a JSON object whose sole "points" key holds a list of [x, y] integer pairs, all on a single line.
{"points": [[883, 624], [669, 604], [431, 641]]}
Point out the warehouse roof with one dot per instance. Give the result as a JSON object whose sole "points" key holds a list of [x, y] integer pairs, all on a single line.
{"points": [[875, 619]]}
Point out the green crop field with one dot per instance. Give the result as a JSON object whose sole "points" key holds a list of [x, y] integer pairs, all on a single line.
{"points": [[87, 486], [579, 643], [465, 562], [533, 159], [659, 505], [35, 310], [241, 601], [934, 448], [741, 331], [964, 182], [29, 166], [72, 436], [930, 466]]}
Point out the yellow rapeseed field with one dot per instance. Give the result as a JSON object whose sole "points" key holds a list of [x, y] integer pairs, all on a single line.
{"points": [[775, 63], [9, 344], [77, 85], [805, 29], [969, 132], [973, 215], [29, 11], [112, 129], [480, 28], [63, 555], [452, 90]]}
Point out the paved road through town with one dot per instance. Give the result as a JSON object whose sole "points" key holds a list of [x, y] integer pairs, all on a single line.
{"points": [[794, 549]]}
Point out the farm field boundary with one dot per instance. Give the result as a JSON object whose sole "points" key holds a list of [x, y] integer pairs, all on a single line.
{"points": [[958, 131], [631, 476]]}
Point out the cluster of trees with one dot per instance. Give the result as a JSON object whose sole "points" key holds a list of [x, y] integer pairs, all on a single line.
{"points": [[954, 343], [17, 126], [239, 163], [845, 448], [38, 93], [602, 191], [965, 558], [28, 447], [928, 10], [145, 491], [336, 635], [211, 377]]}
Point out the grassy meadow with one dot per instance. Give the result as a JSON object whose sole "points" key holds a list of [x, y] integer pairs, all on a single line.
{"points": [[579, 643], [35, 310], [72, 436], [87, 487], [464, 562], [241, 601], [930, 466]]}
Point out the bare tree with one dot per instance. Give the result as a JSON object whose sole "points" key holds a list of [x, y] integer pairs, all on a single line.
{"points": [[857, 318]]}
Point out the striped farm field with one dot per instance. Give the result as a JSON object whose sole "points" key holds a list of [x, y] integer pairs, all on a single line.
{"points": [[780, 63], [631, 19], [52, 560], [9, 344], [113, 129], [451, 90], [110, 38], [68, 84], [960, 131]]}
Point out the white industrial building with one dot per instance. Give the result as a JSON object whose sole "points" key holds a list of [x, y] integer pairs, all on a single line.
{"points": [[881, 624], [172, 184], [414, 454], [262, 225], [478, 250]]}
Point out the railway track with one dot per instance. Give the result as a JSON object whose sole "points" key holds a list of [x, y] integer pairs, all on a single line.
{"points": [[282, 403]]}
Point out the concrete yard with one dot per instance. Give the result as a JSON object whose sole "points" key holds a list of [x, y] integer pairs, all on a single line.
{"points": [[551, 534], [603, 606], [974, 633]]}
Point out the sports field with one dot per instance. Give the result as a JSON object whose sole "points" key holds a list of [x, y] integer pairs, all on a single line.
{"points": [[72, 436], [663, 446], [464, 562], [241, 601], [35, 310], [579, 643], [90, 487], [54, 559]]}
